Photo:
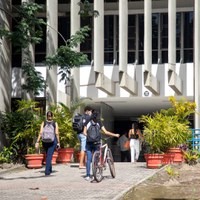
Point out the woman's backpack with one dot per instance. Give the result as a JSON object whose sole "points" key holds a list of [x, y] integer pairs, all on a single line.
{"points": [[48, 134]]}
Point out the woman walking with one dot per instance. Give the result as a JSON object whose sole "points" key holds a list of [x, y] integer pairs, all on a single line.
{"points": [[134, 136]]}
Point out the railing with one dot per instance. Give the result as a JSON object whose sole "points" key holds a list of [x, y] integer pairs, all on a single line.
{"points": [[195, 139]]}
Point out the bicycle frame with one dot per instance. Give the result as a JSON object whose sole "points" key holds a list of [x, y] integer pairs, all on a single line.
{"points": [[105, 147]]}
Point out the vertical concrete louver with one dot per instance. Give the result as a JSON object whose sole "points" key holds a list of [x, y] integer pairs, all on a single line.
{"points": [[197, 60], [102, 82], [75, 26], [51, 45], [174, 80], [30, 50], [5, 58], [150, 82], [126, 82]]}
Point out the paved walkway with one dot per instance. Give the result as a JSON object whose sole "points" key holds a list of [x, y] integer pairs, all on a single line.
{"points": [[67, 183]]}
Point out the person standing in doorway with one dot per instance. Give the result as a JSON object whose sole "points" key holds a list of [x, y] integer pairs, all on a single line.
{"points": [[49, 147], [123, 144], [82, 138], [135, 136]]}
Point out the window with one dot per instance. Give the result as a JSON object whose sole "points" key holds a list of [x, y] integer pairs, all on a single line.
{"points": [[40, 49], [131, 38], [108, 39], [188, 37], [141, 39], [86, 47], [63, 29]]}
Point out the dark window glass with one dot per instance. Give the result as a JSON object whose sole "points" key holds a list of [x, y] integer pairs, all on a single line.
{"points": [[131, 57], [117, 57], [63, 29], [108, 56], [14, 104], [164, 57], [141, 32], [108, 39], [178, 56], [16, 58], [188, 30], [63, 1], [40, 1], [131, 44], [131, 33], [16, 50], [16, 2], [164, 43], [155, 20], [86, 47], [154, 57], [188, 56], [141, 57], [111, 1], [164, 30], [90, 1], [40, 49], [41, 104], [178, 30]]}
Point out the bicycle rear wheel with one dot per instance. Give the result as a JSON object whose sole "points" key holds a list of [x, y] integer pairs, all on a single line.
{"points": [[111, 165], [96, 167]]}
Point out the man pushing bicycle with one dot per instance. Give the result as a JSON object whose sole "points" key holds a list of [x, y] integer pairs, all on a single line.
{"points": [[92, 130]]}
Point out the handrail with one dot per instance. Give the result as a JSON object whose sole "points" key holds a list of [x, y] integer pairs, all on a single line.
{"points": [[195, 138]]}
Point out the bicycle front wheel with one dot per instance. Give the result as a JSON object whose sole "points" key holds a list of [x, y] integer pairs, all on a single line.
{"points": [[96, 167], [111, 165]]}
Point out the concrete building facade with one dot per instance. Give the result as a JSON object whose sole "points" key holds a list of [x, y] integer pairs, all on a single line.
{"points": [[140, 52]]}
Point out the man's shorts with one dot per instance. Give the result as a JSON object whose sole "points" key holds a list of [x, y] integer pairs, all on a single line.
{"points": [[82, 138]]}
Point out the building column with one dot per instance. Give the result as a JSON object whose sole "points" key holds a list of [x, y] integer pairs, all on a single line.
{"points": [[51, 47], [197, 60], [150, 82], [99, 37], [29, 50], [5, 59], [174, 80], [126, 82], [102, 82], [147, 35], [75, 26]]}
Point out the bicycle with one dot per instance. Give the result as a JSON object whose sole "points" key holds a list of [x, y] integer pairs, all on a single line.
{"points": [[100, 159]]}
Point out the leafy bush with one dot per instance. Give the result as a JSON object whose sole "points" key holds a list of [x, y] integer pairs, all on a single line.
{"points": [[168, 128]]}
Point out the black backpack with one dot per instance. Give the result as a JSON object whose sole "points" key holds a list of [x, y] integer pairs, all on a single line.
{"points": [[93, 132], [78, 122]]}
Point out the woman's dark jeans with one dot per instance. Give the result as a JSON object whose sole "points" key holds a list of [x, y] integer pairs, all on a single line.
{"points": [[49, 149]]}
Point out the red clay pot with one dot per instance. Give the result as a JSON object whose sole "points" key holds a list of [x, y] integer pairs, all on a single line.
{"points": [[65, 155], [178, 155], [34, 161], [168, 158], [153, 161]]}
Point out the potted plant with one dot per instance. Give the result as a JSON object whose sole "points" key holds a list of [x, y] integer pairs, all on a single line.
{"points": [[34, 158], [68, 138], [168, 128], [28, 136]]}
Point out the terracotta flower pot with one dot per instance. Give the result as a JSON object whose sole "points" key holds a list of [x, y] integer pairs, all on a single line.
{"points": [[168, 158], [153, 161], [178, 154], [34, 160], [54, 158], [65, 155]]}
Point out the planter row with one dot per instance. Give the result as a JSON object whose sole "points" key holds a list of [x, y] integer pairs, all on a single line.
{"points": [[61, 156], [174, 155]]}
